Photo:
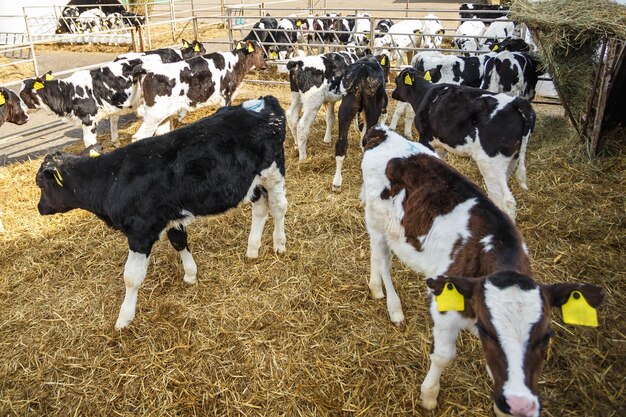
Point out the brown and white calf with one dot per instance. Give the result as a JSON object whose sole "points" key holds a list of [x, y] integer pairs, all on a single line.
{"points": [[168, 89], [491, 128], [441, 225]]}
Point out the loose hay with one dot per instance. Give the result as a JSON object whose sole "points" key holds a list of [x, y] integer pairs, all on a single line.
{"points": [[292, 335]]}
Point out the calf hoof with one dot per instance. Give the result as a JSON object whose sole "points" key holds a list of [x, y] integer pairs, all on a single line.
{"points": [[190, 279], [116, 144], [336, 188], [397, 318], [377, 293], [122, 323], [429, 404], [280, 248], [251, 254]]}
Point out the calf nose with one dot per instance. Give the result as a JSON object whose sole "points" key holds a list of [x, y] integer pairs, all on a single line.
{"points": [[522, 406]]}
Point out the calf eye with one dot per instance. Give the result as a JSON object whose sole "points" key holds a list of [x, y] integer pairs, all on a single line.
{"points": [[543, 342]]}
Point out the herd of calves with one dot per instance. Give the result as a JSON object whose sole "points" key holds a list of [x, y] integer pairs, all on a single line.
{"points": [[432, 217]]}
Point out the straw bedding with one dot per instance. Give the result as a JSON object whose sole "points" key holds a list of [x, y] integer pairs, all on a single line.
{"points": [[298, 334]]}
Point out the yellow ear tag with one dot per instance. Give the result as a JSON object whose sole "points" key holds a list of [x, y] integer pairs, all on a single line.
{"points": [[250, 48], [37, 85], [93, 153], [383, 60], [48, 77], [427, 76], [450, 299], [578, 311], [274, 54], [408, 80], [185, 45], [239, 46], [58, 177], [2, 99], [298, 23], [495, 47]]}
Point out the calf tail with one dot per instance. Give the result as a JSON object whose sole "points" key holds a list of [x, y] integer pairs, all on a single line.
{"points": [[136, 94], [528, 116]]}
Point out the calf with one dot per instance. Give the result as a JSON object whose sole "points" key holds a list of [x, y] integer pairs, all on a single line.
{"points": [[483, 11], [187, 51], [260, 32], [431, 32], [188, 85], [11, 108], [466, 37], [441, 68], [441, 225], [512, 73], [493, 129], [68, 23], [163, 183], [91, 20], [344, 26], [310, 79], [401, 37], [497, 30], [383, 26], [363, 89], [511, 44], [87, 96], [361, 31]]}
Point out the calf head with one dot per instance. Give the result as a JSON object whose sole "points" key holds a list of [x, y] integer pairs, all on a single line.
{"points": [[11, 109], [430, 40], [512, 314], [411, 85], [29, 93], [253, 52], [385, 62], [511, 44], [56, 196], [192, 49]]}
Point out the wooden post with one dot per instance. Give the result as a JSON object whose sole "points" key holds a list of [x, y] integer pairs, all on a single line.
{"points": [[593, 88], [140, 35], [605, 84]]}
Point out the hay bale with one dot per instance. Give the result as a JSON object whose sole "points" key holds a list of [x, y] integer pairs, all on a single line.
{"points": [[568, 34]]}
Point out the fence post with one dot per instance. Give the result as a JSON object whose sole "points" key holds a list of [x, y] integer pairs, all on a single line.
{"points": [[30, 41], [195, 21], [148, 34], [229, 25], [172, 24]]}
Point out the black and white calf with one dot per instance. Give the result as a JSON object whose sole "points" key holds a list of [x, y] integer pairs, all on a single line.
{"points": [[310, 79], [497, 31], [511, 44], [187, 51], [12, 110], [87, 96], [493, 129], [161, 184], [403, 36], [441, 68], [188, 85], [512, 73], [442, 225], [466, 37], [483, 11], [363, 89], [261, 31]]}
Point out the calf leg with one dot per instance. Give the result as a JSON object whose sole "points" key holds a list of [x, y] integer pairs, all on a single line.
{"points": [[178, 238], [330, 121], [347, 110], [293, 115], [445, 331], [134, 274], [260, 209], [278, 206], [408, 122], [494, 172], [114, 131], [304, 125], [89, 135], [150, 124], [164, 127], [380, 263]]}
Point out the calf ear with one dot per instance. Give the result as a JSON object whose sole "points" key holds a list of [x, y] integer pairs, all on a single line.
{"points": [[578, 302], [560, 293], [452, 292], [185, 44]]}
